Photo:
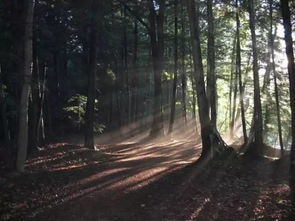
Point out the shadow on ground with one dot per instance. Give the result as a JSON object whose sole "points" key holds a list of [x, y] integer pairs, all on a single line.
{"points": [[145, 180]]}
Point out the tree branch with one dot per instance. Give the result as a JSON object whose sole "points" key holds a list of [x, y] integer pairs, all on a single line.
{"points": [[133, 13]]}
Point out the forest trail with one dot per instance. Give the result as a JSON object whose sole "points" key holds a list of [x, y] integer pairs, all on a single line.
{"points": [[97, 185], [117, 190], [145, 180]]}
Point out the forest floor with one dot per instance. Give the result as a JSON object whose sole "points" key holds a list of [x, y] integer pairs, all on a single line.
{"points": [[144, 180]]}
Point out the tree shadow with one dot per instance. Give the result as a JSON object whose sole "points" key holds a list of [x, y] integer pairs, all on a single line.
{"points": [[156, 180], [130, 168]]}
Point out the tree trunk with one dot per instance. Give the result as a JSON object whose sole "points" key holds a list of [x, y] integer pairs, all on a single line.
{"points": [[157, 43], [231, 126], [18, 16], [3, 112], [234, 98], [193, 88], [126, 83], [291, 72], [135, 82], [34, 107], [266, 83], [173, 100], [48, 114], [275, 76], [239, 71], [89, 115], [255, 145], [183, 70], [211, 75], [211, 139], [41, 127], [22, 138]]}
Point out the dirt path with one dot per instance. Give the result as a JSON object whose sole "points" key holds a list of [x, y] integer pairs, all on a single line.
{"points": [[145, 181], [117, 190]]}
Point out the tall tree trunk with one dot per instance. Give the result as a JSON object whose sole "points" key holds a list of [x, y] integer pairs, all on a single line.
{"points": [[35, 104], [157, 43], [255, 144], [173, 100], [265, 89], [126, 83], [266, 83], [234, 111], [183, 70], [239, 71], [275, 76], [231, 126], [89, 115], [22, 138], [135, 82], [193, 88], [48, 114], [211, 139], [3, 112], [41, 127], [291, 72], [55, 89], [33, 116], [211, 75], [18, 16]]}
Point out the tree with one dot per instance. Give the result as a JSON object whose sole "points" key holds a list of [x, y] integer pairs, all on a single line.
{"points": [[211, 75], [291, 72], [22, 138], [36, 103], [239, 73], [173, 99], [183, 69], [291, 68], [135, 80], [232, 94], [89, 118], [211, 140], [255, 142], [3, 112], [271, 39], [156, 20]]}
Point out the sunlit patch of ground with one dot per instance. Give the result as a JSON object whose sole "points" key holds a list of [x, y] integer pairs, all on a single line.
{"points": [[242, 190], [141, 179], [61, 173]]}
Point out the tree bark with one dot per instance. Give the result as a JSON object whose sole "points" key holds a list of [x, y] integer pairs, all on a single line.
{"points": [[3, 112], [193, 88], [126, 84], [135, 82], [255, 144], [239, 71], [22, 138], [211, 75], [211, 139], [157, 42], [231, 112], [275, 76], [183, 70], [89, 115], [291, 72], [35, 97], [173, 99]]}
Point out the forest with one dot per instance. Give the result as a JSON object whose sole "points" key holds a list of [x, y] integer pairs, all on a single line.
{"points": [[147, 110]]}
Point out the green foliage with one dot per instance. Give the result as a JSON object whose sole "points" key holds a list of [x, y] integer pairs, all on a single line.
{"points": [[98, 128], [75, 112], [111, 75], [75, 109]]}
